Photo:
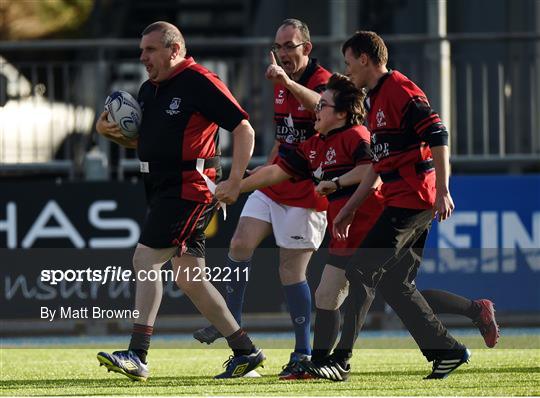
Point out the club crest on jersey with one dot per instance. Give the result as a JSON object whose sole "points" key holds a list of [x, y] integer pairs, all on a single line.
{"points": [[381, 119], [173, 106], [280, 99], [330, 156]]}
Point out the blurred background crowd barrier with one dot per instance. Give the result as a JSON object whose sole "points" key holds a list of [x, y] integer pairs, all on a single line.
{"points": [[48, 107]]}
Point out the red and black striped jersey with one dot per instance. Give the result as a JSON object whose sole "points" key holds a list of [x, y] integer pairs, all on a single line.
{"points": [[180, 122], [294, 124], [323, 157], [403, 128]]}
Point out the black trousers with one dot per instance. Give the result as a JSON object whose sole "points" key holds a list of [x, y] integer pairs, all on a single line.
{"points": [[388, 260]]}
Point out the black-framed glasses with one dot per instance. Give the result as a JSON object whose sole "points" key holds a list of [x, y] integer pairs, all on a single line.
{"points": [[320, 105], [287, 47]]}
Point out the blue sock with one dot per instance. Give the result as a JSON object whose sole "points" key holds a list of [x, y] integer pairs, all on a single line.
{"points": [[298, 298], [237, 286]]}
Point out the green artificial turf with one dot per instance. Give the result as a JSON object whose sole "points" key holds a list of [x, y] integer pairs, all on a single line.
{"points": [[189, 371]]}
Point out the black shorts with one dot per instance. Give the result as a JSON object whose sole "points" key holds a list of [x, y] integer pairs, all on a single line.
{"points": [[174, 222]]}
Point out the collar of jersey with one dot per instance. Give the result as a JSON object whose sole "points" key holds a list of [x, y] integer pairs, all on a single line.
{"points": [[382, 79], [310, 69], [182, 66], [335, 131]]}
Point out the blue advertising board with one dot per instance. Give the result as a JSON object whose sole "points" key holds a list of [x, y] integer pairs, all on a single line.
{"points": [[490, 247]]}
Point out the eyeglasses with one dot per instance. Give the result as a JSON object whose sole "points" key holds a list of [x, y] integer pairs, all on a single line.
{"points": [[287, 47], [320, 105]]}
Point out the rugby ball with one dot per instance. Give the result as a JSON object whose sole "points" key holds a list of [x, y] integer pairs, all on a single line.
{"points": [[124, 110]]}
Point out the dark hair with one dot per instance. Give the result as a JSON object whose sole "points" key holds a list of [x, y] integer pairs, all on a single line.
{"points": [[297, 24], [170, 34], [369, 43], [347, 98]]}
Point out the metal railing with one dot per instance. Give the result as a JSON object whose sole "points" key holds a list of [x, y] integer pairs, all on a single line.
{"points": [[495, 94]]}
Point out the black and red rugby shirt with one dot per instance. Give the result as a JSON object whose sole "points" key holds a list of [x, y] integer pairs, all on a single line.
{"points": [[323, 157], [180, 122], [403, 128], [294, 124]]}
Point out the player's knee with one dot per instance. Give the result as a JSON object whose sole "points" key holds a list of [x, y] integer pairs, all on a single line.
{"points": [[326, 299], [394, 290], [240, 248], [331, 297], [186, 284], [140, 261]]}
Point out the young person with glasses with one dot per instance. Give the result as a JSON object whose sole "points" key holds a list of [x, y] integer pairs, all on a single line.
{"points": [[340, 150]]}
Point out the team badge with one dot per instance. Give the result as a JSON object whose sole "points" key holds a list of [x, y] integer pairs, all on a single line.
{"points": [[173, 106], [381, 119], [330, 156]]}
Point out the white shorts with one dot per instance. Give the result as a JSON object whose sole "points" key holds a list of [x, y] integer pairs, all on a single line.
{"points": [[294, 227]]}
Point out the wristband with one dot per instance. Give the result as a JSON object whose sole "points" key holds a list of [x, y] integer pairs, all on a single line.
{"points": [[335, 180]]}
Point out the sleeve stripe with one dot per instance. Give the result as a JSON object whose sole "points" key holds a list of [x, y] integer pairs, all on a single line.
{"points": [[423, 124]]}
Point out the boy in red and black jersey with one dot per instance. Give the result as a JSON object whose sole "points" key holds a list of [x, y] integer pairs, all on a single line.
{"points": [[339, 152], [329, 156]]}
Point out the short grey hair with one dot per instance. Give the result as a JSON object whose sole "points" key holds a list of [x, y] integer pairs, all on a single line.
{"points": [[297, 24], [170, 35]]}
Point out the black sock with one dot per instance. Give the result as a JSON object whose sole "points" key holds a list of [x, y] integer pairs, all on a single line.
{"points": [[140, 340], [240, 343], [443, 302], [342, 357], [325, 330]]}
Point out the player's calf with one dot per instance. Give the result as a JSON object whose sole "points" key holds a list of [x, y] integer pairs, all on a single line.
{"points": [[207, 335]]}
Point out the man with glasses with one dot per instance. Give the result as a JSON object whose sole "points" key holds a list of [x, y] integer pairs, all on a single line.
{"points": [[298, 80]]}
